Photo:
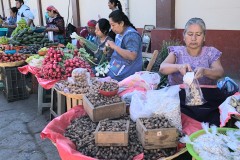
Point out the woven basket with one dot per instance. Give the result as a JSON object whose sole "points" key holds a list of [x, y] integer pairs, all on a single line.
{"points": [[197, 134], [12, 64]]}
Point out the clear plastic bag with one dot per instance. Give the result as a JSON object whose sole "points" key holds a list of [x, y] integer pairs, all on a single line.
{"points": [[80, 75], [194, 96]]}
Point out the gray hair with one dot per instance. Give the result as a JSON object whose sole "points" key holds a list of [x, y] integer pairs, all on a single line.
{"points": [[198, 21]]}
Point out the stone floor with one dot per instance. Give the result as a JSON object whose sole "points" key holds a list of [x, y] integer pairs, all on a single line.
{"points": [[20, 129]]}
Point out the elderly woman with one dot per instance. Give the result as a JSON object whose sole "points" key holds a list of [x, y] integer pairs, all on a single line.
{"points": [[56, 24], [127, 56], [205, 62]]}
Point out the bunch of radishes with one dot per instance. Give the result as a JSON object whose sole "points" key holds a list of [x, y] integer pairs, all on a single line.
{"points": [[4, 58], [76, 62], [51, 68]]}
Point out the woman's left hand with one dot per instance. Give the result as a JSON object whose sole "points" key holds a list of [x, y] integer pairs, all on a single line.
{"points": [[199, 72]]}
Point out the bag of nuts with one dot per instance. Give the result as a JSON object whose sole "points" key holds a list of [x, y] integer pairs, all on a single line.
{"points": [[194, 96], [81, 75]]}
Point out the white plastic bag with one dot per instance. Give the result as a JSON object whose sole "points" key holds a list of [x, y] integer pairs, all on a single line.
{"points": [[77, 72]]}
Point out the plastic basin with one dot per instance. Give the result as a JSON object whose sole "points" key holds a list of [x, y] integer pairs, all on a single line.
{"points": [[10, 51], [3, 31]]}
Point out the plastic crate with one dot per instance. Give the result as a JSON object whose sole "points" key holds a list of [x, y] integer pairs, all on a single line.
{"points": [[3, 31], [14, 84]]}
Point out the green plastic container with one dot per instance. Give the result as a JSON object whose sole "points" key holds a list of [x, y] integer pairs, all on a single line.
{"points": [[200, 132]]}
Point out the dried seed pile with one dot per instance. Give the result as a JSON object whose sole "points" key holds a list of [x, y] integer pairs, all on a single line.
{"points": [[109, 86], [156, 122], [98, 100], [114, 126], [81, 133]]}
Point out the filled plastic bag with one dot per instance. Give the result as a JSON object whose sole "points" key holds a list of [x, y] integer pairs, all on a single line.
{"points": [[164, 101], [81, 74], [194, 96]]}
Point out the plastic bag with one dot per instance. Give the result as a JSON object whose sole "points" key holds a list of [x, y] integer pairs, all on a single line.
{"points": [[228, 86], [81, 74], [164, 101], [194, 96]]}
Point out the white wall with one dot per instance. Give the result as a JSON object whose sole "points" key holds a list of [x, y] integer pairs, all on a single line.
{"points": [[217, 14], [141, 11]]}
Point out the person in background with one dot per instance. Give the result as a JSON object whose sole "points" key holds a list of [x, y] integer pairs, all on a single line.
{"points": [[56, 24], [88, 32], [102, 30], [205, 62], [24, 12], [127, 56], [114, 5], [10, 23]]}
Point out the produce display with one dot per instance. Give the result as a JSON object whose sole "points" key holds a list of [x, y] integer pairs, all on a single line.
{"points": [[35, 61], [29, 37], [156, 122], [113, 126], [3, 40], [12, 57], [21, 25], [81, 133], [30, 49]]}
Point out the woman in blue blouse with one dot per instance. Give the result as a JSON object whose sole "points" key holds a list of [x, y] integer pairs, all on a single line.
{"points": [[10, 23], [127, 56]]}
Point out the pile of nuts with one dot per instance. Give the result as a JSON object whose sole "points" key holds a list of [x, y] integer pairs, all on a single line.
{"points": [[156, 122], [114, 126], [81, 133], [109, 86], [98, 100]]}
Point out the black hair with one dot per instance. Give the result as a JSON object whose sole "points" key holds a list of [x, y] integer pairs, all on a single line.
{"points": [[14, 9], [116, 3], [118, 17], [20, 1], [104, 25]]}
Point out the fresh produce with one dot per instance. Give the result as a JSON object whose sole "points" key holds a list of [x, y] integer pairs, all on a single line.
{"points": [[102, 69], [86, 56], [81, 132], [43, 51], [3, 40], [11, 57], [30, 49], [70, 46], [76, 62], [22, 25], [35, 61]]}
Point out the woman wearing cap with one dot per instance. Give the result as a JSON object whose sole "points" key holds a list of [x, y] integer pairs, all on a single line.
{"points": [[55, 24], [127, 56]]}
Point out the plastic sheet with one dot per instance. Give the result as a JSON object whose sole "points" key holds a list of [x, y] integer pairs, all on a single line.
{"points": [[67, 150], [27, 68]]}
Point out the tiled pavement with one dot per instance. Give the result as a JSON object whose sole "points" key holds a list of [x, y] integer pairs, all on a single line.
{"points": [[20, 128]]}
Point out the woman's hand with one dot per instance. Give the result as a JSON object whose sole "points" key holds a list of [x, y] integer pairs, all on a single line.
{"points": [[184, 68], [111, 44], [199, 72]]}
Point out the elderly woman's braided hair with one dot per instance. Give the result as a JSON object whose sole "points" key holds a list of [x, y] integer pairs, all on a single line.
{"points": [[198, 21]]}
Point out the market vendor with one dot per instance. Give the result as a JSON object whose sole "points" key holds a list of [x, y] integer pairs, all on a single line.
{"points": [[24, 12], [10, 23], [127, 56], [205, 62], [56, 24], [101, 31]]}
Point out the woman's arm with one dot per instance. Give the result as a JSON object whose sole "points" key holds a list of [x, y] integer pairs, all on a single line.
{"points": [[168, 66], [214, 72]]}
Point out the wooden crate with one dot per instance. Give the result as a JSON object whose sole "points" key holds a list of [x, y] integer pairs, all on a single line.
{"points": [[156, 138], [109, 138], [72, 100], [99, 113]]}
